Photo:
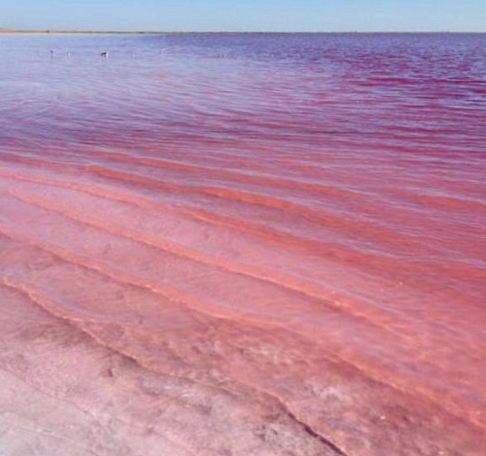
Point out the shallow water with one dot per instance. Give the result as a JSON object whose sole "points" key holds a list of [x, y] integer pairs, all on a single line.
{"points": [[297, 220]]}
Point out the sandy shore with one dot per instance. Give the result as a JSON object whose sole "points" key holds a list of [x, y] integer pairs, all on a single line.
{"points": [[63, 394]]}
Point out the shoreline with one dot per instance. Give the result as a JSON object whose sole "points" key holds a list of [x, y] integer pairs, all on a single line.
{"points": [[229, 32], [74, 32]]}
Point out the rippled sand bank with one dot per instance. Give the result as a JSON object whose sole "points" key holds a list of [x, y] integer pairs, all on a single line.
{"points": [[133, 329]]}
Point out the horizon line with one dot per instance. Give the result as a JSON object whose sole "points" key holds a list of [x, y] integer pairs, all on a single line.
{"points": [[141, 32]]}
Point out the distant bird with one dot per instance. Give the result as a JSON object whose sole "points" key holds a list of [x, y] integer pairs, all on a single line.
{"points": [[104, 54], [52, 53]]}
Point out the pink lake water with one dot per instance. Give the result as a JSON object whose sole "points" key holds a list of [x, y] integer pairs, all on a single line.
{"points": [[282, 236]]}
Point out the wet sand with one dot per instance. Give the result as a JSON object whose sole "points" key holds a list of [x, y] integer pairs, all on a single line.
{"points": [[62, 393]]}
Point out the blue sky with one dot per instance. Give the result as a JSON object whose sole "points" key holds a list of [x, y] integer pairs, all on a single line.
{"points": [[249, 15]]}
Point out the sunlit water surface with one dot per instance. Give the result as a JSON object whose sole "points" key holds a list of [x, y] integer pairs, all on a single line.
{"points": [[296, 220]]}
